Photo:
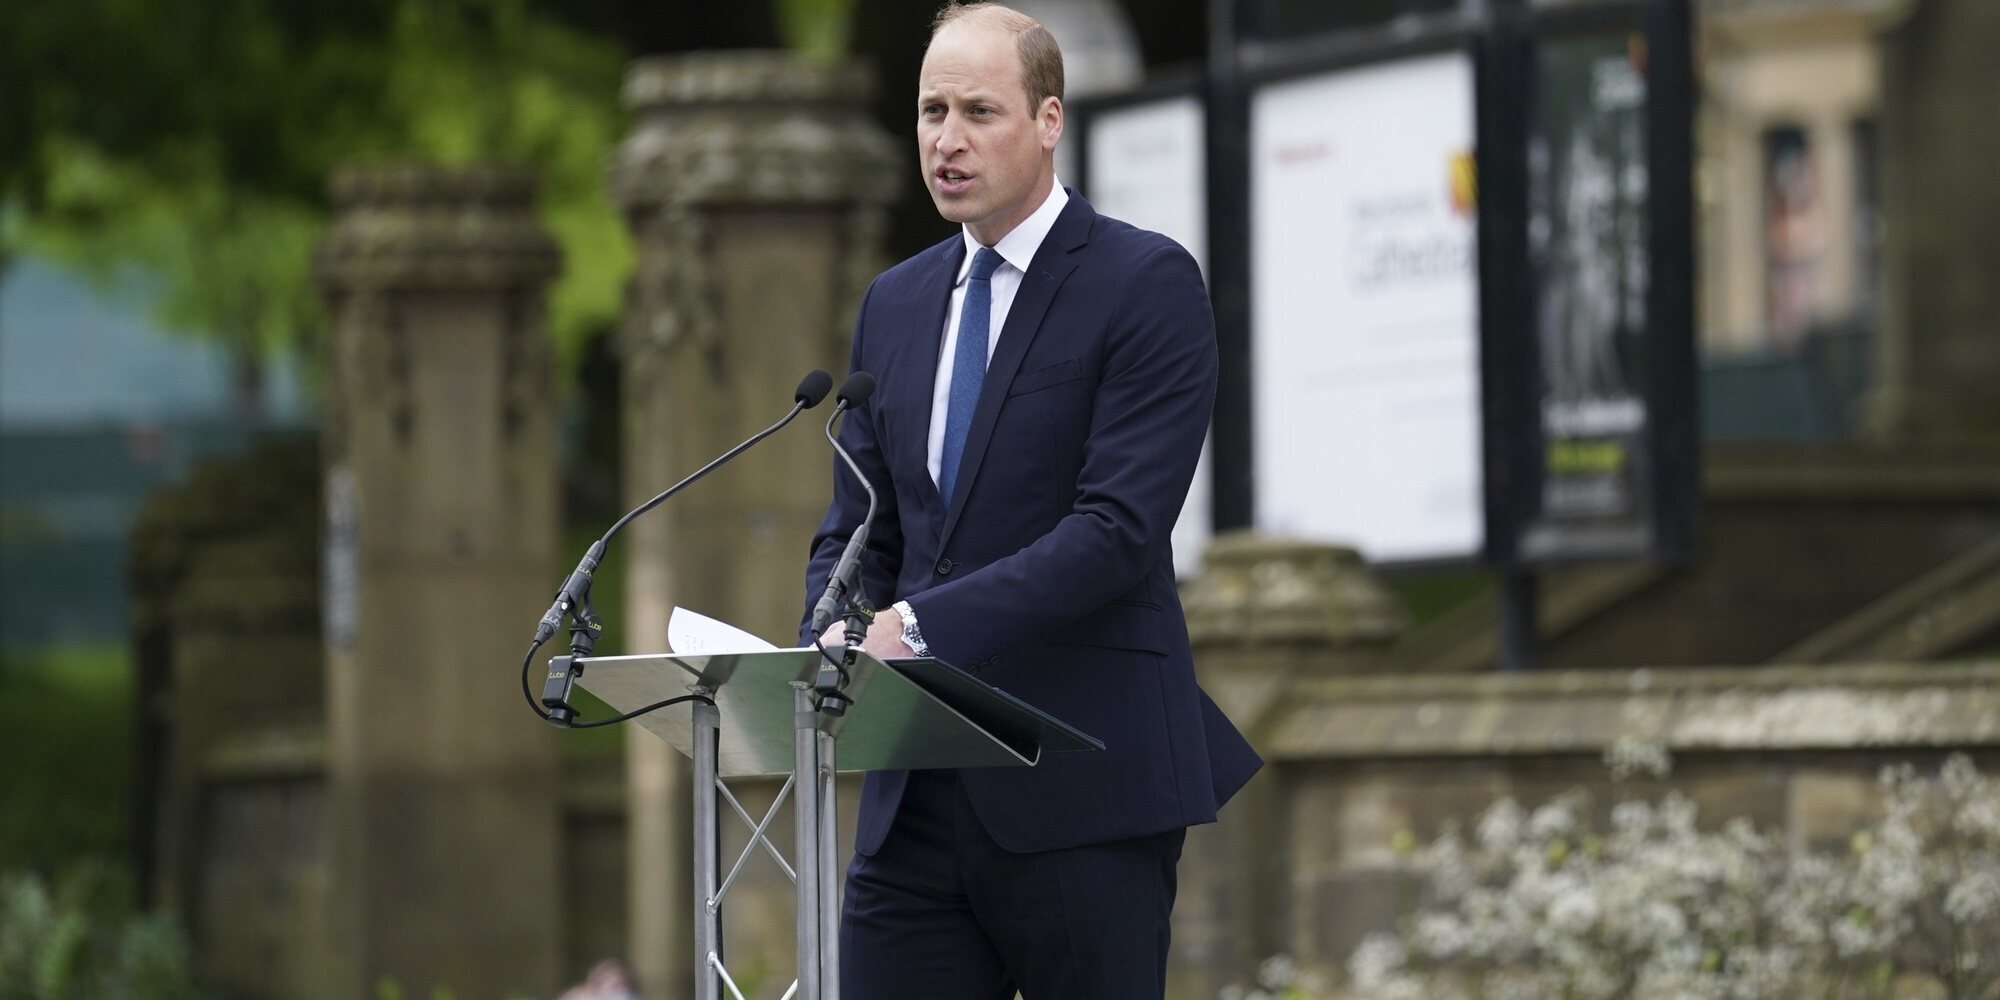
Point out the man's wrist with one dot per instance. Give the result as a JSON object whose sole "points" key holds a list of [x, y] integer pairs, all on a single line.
{"points": [[913, 636]]}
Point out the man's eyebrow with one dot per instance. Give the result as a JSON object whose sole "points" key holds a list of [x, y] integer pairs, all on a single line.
{"points": [[988, 98]]}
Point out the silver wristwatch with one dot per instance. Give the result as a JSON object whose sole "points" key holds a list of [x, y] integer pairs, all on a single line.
{"points": [[912, 637]]}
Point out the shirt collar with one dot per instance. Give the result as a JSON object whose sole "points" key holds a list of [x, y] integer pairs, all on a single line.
{"points": [[1018, 247]]}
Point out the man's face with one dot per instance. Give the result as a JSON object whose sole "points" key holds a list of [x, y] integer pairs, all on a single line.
{"points": [[983, 150]]}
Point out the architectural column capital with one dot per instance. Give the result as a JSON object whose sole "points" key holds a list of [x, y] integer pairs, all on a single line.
{"points": [[416, 226], [750, 128]]}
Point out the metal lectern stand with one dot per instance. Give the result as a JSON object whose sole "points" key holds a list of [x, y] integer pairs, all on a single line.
{"points": [[905, 715]]}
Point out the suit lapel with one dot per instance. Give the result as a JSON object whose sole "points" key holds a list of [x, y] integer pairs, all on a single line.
{"points": [[931, 315], [1046, 273]]}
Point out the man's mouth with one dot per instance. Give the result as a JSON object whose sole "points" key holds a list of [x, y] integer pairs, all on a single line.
{"points": [[952, 180]]}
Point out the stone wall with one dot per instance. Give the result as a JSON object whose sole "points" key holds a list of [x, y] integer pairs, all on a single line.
{"points": [[1362, 754]]}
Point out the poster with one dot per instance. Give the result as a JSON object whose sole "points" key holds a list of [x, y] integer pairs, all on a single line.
{"points": [[1587, 237], [1364, 300]]}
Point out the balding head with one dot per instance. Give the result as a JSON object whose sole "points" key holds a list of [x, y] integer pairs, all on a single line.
{"points": [[1041, 58], [985, 138]]}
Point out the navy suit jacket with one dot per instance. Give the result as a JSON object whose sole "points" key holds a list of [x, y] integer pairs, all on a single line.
{"points": [[1049, 573]]}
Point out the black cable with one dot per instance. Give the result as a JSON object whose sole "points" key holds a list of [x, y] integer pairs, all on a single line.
{"points": [[818, 643], [635, 713], [529, 693]]}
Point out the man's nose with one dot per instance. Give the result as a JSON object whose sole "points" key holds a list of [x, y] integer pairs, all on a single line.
{"points": [[950, 136]]}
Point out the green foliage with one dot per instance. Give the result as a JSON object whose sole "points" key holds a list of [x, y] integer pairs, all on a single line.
{"points": [[492, 81], [196, 140], [816, 29], [234, 262], [68, 756], [80, 940]]}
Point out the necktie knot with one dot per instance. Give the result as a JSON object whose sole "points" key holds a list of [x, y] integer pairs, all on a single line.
{"points": [[985, 262]]}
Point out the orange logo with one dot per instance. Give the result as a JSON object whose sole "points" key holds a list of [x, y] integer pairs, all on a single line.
{"points": [[1464, 183]]}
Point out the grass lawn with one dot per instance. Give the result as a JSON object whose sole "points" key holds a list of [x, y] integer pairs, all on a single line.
{"points": [[67, 744]]}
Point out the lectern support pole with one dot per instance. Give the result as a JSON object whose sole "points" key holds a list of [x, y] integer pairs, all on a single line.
{"points": [[805, 810], [707, 854], [818, 857], [829, 874]]}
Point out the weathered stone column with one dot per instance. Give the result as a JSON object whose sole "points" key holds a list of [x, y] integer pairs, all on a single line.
{"points": [[1264, 614], [1940, 332], [755, 187], [441, 513]]}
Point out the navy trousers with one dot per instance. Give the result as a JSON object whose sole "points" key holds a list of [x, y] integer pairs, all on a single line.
{"points": [[942, 912]]}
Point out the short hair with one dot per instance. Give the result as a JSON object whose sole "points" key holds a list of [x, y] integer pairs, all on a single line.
{"points": [[1041, 57]]}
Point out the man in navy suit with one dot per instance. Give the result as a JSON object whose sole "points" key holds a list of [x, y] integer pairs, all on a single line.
{"points": [[1044, 380]]}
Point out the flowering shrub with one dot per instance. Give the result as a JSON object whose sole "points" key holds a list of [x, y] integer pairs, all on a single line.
{"points": [[80, 941], [1539, 904]]}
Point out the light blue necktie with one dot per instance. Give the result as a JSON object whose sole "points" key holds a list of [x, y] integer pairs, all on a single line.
{"points": [[968, 365]]}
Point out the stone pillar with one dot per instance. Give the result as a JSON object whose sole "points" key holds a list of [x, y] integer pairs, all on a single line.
{"points": [[441, 531], [225, 614], [1941, 216], [1264, 615], [756, 191]]}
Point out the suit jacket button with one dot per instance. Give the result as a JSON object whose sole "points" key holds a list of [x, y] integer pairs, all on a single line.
{"points": [[944, 567]]}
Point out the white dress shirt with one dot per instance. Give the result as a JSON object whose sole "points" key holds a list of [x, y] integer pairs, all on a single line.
{"points": [[1017, 249]]}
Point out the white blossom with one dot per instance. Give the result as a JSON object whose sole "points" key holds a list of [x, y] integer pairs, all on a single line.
{"points": [[1574, 911], [1379, 957], [1537, 904], [1632, 818], [1976, 897], [1500, 828], [1276, 972], [1554, 819], [1441, 936], [1628, 757]]}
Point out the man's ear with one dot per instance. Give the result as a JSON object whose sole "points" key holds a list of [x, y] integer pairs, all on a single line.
{"points": [[1050, 118]]}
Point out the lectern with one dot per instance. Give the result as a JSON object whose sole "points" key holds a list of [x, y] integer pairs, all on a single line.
{"points": [[759, 720]]}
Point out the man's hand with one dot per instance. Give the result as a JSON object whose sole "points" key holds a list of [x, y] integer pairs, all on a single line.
{"points": [[885, 637]]}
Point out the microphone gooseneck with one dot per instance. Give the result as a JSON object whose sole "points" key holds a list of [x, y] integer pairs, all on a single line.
{"points": [[572, 599], [843, 580]]}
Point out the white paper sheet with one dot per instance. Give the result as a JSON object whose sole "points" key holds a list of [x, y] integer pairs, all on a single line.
{"points": [[691, 633]]}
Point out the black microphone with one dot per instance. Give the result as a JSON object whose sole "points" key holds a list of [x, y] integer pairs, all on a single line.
{"points": [[812, 389], [842, 580], [575, 590]]}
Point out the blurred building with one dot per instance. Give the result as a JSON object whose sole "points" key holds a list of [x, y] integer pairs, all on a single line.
{"points": [[1789, 201], [99, 407]]}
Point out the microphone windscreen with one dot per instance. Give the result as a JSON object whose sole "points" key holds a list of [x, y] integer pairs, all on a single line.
{"points": [[812, 388], [856, 389]]}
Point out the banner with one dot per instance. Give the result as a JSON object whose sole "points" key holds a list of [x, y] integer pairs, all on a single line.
{"points": [[1364, 301], [1587, 235]]}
